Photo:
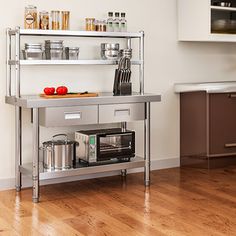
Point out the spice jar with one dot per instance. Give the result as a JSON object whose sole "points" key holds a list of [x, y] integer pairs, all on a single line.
{"points": [[31, 16], [55, 20], [44, 20], [101, 25], [65, 16], [90, 24]]}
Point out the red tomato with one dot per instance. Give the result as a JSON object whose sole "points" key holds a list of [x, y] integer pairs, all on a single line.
{"points": [[62, 90], [49, 90]]}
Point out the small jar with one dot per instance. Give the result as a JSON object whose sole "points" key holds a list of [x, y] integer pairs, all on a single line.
{"points": [[101, 25], [90, 24], [44, 20], [65, 16], [97, 25], [72, 53], [104, 25], [55, 20], [31, 17]]}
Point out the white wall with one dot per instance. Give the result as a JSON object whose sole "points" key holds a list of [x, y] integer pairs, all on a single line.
{"points": [[167, 62]]}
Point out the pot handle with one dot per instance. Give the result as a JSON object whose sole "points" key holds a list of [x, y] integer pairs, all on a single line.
{"points": [[45, 148], [57, 135]]}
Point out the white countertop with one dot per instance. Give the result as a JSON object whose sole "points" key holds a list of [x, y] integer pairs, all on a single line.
{"points": [[209, 87]]}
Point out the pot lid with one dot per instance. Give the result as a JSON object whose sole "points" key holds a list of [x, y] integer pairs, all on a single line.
{"points": [[58, 142]]}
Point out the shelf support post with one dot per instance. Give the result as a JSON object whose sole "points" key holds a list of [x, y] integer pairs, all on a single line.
{"points": [[147, 146], [141, 66], [35, 176], [129, 46], [18, 148], [123, 129], [18, 111], [8, 58], [17, 65]]}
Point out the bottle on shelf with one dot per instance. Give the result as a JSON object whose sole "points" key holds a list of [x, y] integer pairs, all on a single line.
{"points": [[123, 23], [110, 22], [117, 22]]}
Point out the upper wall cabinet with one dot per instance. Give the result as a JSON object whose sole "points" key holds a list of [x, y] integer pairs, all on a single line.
{"points": [[207, 20]]}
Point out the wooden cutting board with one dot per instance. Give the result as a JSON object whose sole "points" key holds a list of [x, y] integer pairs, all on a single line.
{"points": [[70, 95]]}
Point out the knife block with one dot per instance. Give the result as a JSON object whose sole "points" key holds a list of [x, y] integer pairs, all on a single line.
{"points": [[122, 89]]}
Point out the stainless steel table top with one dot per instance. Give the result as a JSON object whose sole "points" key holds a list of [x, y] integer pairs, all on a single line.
{"points": [[35, 101], [209, 87]]}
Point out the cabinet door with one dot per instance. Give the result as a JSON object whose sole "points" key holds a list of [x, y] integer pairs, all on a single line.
{"points": [[193, 20], [222, 123], [206, 21]]}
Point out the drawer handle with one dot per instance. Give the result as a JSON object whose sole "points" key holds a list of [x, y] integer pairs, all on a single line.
{"points": [[122, 112], [73, 115], [230, 145], [232, 95]]}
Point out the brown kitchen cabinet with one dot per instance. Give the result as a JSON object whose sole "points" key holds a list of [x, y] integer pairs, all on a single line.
{"points": [[207, 129]]}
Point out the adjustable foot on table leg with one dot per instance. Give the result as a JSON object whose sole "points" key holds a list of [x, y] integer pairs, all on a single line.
{"points": [[35, 200], [123, 173], [147, 183], [18, 188]]}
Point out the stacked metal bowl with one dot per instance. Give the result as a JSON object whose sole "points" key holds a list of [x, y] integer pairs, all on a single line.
{"points": [[110, 51], [54, 49]]}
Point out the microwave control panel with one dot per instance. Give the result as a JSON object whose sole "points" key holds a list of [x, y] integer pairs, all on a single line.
{"points": [[92, 148]]}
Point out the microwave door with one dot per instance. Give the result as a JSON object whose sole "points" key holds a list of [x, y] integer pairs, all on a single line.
{"points": [[115, 146]]}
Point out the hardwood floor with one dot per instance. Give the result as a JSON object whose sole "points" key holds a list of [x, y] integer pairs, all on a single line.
{"points": [[179, 202]]}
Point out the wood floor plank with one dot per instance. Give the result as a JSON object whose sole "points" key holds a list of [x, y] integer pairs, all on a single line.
{"points": [[179, 202]]}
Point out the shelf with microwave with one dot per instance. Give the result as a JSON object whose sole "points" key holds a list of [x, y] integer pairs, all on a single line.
{"points": [[104, 109], [70, 62]]}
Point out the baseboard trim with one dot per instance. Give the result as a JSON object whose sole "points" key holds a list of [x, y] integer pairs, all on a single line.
{"points": [[6, 184]]}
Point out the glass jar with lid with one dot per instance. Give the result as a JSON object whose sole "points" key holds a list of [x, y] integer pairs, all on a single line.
{"points": [[65, 20], [44, 20], [31, 17], [55, 15], [90, 24]]}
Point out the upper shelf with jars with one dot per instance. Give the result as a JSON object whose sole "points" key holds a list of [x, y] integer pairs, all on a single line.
{"points": [[60, 20], [57, 23], [207, 20]]}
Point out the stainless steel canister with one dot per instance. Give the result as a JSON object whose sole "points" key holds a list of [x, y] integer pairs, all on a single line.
{"points": [[54, 49], [72, 53], [33, 51], [59, 154]]}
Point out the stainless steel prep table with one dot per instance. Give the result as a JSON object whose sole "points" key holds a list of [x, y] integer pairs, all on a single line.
{"points": [[129, 108], [36, 103]]}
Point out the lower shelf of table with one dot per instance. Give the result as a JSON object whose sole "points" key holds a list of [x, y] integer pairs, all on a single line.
{"points": [[136, 162]]}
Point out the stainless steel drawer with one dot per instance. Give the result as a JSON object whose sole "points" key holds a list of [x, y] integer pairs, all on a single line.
{"points": [[121, 112], [66, 116]]}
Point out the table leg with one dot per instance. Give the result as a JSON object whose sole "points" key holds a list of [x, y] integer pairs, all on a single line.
{"points": [[147, 146], [123, 128], [18, 142], [123, 173], [35, 176]]}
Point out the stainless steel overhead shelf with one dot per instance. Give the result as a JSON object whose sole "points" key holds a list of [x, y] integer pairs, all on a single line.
{"points": [[70, 33], [71, 62]]}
